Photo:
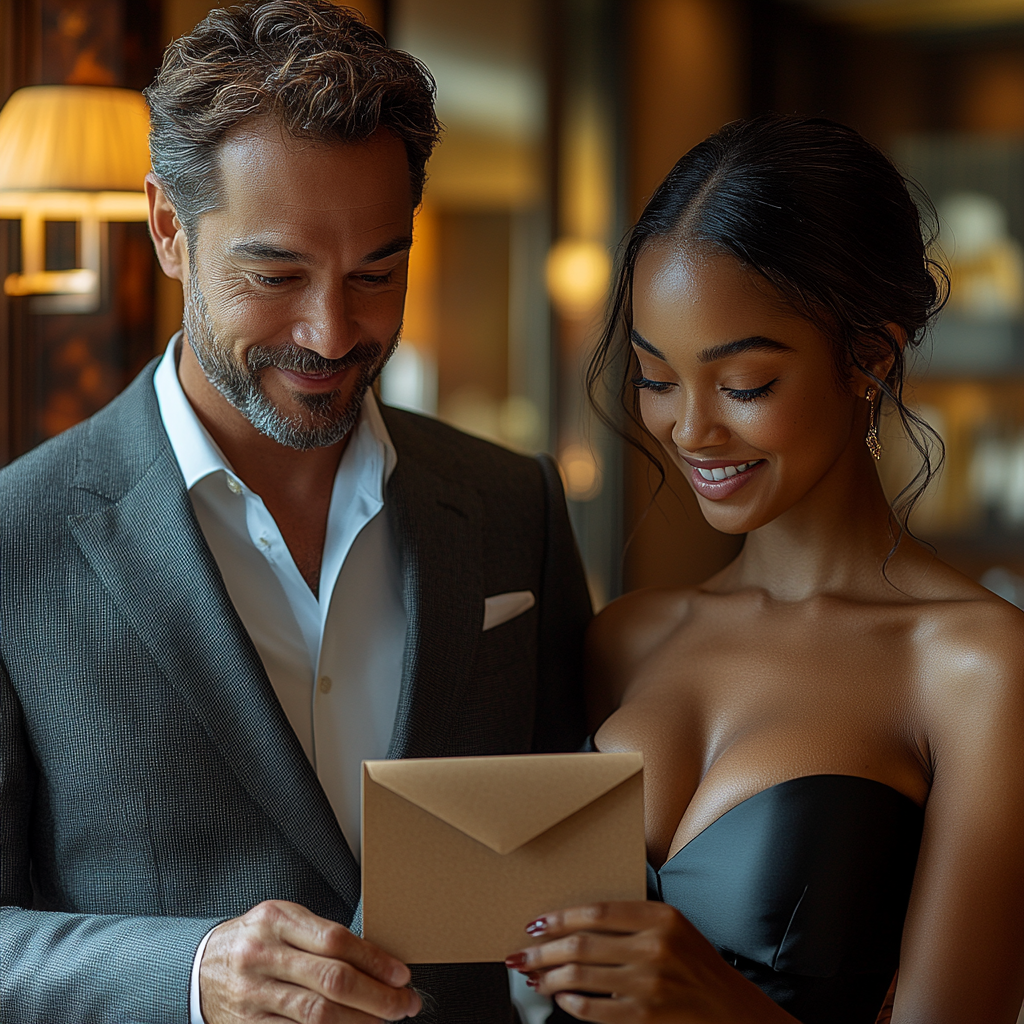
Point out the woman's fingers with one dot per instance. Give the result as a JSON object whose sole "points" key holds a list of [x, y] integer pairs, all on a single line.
{"points": [[622, 916], [608, 933], [578, 948], [576, 977], [598, 1010]]}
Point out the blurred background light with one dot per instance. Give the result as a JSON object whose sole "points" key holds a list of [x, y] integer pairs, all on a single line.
{"points": [[76, 154], [578, 273]]}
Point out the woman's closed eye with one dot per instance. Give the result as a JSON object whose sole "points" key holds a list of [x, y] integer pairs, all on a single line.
{"points": [[739, 394], [644, 384], [751, 394]]}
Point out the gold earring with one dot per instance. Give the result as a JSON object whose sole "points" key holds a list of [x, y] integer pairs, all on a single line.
{"points": [[872, 441]]}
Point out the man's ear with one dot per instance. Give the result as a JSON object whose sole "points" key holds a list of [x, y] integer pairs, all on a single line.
{"points": [[882, 366], [166, 231]]}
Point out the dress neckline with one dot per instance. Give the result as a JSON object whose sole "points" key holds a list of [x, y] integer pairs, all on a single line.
{"points": [[779, 785]]}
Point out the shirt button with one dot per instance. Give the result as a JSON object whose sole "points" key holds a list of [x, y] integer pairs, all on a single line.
{"points": [[234, 486], [325, 684]]}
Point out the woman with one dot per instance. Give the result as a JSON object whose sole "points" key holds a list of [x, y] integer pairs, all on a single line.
{"points": [[832, 726]]}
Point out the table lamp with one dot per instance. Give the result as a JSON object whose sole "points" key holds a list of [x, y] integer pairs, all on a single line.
{"points": [[70, 152]]}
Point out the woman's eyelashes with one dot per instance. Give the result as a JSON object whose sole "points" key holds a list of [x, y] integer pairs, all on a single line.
{"points": [[739, 394], [751, 394], [643, 384]]}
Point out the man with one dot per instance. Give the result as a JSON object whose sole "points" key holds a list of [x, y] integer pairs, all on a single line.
{"points": [[243, 576]]}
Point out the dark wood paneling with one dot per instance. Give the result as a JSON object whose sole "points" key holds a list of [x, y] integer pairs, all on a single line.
{"points": [[57, 369]]}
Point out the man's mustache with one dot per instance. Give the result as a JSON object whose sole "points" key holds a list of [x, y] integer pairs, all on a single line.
{"points": [[303, 360]]}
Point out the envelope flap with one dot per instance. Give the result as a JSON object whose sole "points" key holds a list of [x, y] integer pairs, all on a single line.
{"points": [[504, 802]]}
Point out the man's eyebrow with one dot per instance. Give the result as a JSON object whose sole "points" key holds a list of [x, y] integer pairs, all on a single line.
{"points": [[732, 348], [396, 245], [256, 250], [641, 342]]}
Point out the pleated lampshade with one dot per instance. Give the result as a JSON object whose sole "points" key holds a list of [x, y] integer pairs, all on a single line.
{"points": [[74, 138]]}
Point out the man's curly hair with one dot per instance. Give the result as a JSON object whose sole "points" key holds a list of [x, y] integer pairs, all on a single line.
{"points": [[315, 68]]}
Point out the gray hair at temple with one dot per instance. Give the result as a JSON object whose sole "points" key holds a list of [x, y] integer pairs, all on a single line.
{"points": [[317, 69]]}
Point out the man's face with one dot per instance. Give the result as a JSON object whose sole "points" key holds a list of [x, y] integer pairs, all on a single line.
{"points": [[297, 281]]}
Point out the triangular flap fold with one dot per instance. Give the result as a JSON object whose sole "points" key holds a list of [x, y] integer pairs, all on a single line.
{"points": [[505, 801]]}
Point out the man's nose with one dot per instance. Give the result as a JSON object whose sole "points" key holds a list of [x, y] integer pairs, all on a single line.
{"points": [[326, 325], [697, 424]]}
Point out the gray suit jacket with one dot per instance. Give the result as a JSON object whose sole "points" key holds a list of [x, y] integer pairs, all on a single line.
{"points": [[150, 785]]}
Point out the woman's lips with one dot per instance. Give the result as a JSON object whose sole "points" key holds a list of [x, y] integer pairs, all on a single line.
{"points": [[731, 476]]}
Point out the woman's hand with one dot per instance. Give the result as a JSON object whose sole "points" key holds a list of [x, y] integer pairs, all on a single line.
{"points": [[644, 963]]}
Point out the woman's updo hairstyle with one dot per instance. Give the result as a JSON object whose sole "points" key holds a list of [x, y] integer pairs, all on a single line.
{"points": [[829, 222]]}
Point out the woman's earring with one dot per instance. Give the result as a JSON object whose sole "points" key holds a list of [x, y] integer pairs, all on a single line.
{"points": [[873, 443]]}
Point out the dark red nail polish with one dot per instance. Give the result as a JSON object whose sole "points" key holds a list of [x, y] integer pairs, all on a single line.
{"points": [[537, 927], [533, 982], [515, 961]]}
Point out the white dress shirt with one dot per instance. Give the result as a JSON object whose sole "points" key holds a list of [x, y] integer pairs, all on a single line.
{"points": [[334, 660]]}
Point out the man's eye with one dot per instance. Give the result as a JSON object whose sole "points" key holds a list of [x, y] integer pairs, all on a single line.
{"points": [[270, 282], [657, 386], [376, 278], [751, 394]]}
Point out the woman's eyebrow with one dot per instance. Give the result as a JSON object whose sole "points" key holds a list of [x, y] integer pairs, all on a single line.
{"points": [[732, 348], [641, 342]]}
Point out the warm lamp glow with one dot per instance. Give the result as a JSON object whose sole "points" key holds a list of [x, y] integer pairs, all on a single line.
{"points": [[581, 472], [70, 152], [77, 138], [578, 272]]}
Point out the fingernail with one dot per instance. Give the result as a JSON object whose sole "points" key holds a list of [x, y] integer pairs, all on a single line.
{"points": [[537, 927], [515, 961], [533, 982]]}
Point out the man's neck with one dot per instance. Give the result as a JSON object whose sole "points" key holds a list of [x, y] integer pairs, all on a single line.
{"points": [[295, 486]]}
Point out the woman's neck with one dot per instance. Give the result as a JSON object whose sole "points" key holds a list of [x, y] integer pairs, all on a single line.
{"points": [[833, 542]]}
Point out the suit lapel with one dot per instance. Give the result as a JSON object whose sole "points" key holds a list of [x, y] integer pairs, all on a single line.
{"points": [[148, 551], [437, 525]]}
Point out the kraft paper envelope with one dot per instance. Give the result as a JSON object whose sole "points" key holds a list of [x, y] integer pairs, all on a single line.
{"points": [[461, 853]]}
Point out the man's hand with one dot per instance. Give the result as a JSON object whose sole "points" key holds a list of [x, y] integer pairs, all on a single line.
{"points": [[282, 961]]}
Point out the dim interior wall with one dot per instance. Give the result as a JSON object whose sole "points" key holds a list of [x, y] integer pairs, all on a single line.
{"points": [[991, 95], [688, 78], [181, 16], [473, 313]]}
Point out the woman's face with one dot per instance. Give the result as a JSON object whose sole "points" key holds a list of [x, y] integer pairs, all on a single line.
{"points": [[740, 391]]}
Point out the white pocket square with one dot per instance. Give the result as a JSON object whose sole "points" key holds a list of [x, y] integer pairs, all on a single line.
{"points": [[502, 607]]}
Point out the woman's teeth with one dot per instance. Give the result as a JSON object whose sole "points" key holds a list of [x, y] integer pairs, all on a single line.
{"points": [[724, 472]]}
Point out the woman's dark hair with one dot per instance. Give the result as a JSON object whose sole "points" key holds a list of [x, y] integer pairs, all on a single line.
{"points": [[829, 222]]}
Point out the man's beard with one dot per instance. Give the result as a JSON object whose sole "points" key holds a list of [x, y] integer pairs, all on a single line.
{"points": [[243, 387]]}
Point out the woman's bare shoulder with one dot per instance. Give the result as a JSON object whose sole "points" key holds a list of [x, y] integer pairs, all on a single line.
{"points": [[633, 625], [971, 655], [624, 634]]}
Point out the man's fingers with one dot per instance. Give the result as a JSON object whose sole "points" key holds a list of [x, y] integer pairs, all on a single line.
{"points": [[314, 978], [307, 1007], [268, 962], [302, 929]]}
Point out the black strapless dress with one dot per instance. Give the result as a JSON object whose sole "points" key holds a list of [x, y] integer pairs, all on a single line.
{"points": [[803, 888]]}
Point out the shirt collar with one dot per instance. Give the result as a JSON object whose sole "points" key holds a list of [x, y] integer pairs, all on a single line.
{"points": [[370, 453]]}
